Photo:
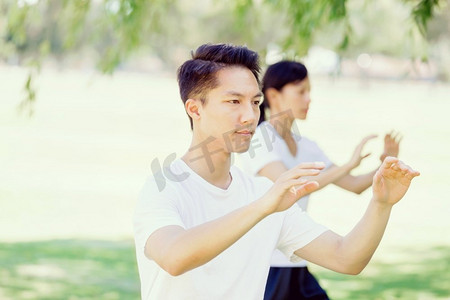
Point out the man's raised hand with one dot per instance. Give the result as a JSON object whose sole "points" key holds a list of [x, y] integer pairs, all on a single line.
{"points": [[291, 186], [392, 180]]}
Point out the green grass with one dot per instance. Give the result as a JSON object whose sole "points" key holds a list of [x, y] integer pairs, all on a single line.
{"points": [[86, 269], [68, 269], [70, 176], [415, 274]]}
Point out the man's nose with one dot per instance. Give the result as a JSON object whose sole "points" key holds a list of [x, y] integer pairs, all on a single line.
{"points": [[248, 113]]}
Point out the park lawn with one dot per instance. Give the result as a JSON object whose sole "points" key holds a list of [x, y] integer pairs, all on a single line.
{"points": [[70, 177], [87, 269], [68, 269], [404, 277]]}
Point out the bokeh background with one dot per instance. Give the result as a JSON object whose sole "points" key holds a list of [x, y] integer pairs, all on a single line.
{"points": [[88, 99]]}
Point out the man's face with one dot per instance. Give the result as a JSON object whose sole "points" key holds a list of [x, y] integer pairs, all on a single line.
{"points": [[296, 97], [231, 111]]}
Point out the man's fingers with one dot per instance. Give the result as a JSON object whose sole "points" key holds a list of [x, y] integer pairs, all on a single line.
{"points": [[296, 173], [399, 166], [312, 165], [300, 189], [377, 177], [407, 170], [410, 176], [388, 161], [395, 167], [303, 169]]}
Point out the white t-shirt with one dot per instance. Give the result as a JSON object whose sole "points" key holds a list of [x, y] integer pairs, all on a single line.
{"points": [[240, 272], [268, 146]]}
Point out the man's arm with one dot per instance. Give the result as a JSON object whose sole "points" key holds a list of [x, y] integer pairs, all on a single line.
{"points": [[177, 250], [350, 254]]}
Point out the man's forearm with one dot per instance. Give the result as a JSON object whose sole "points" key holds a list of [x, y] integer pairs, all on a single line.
{"points": [[350, 254], [183, 250], [359, 244]]}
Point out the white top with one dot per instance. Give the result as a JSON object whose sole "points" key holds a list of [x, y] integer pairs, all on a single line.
{"points": [[268, 146], [240, 272]]}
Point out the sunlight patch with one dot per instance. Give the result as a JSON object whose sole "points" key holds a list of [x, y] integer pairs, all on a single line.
{"points": [[45, 271]]}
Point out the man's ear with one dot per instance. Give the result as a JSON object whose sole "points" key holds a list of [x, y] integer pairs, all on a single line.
{"points": [[192, 107], [272, 97]]}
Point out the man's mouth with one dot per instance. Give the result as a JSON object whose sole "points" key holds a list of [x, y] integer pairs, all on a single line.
{"points": [[245, 132]]}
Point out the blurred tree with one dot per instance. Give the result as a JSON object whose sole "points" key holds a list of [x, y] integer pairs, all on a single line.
{"points": [[439, 37], [112, 30]]}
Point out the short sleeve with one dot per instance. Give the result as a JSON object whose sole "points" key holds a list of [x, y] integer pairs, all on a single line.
{"points": [[261, 152], [297, 231], [155, 209], [319, 154]]}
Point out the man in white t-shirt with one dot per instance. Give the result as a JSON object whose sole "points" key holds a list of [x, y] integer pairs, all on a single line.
{"points": [[204, 230]]}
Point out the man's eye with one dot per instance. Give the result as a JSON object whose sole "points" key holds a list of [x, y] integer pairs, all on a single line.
{"points": [[304, 91], [257, 102], [234, 101]]}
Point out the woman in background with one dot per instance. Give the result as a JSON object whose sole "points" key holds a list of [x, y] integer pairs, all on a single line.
{"points": [[276, 148]]}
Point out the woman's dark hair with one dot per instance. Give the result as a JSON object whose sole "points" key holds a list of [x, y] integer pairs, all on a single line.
{"points": [[277, 76], [197, 76]]}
